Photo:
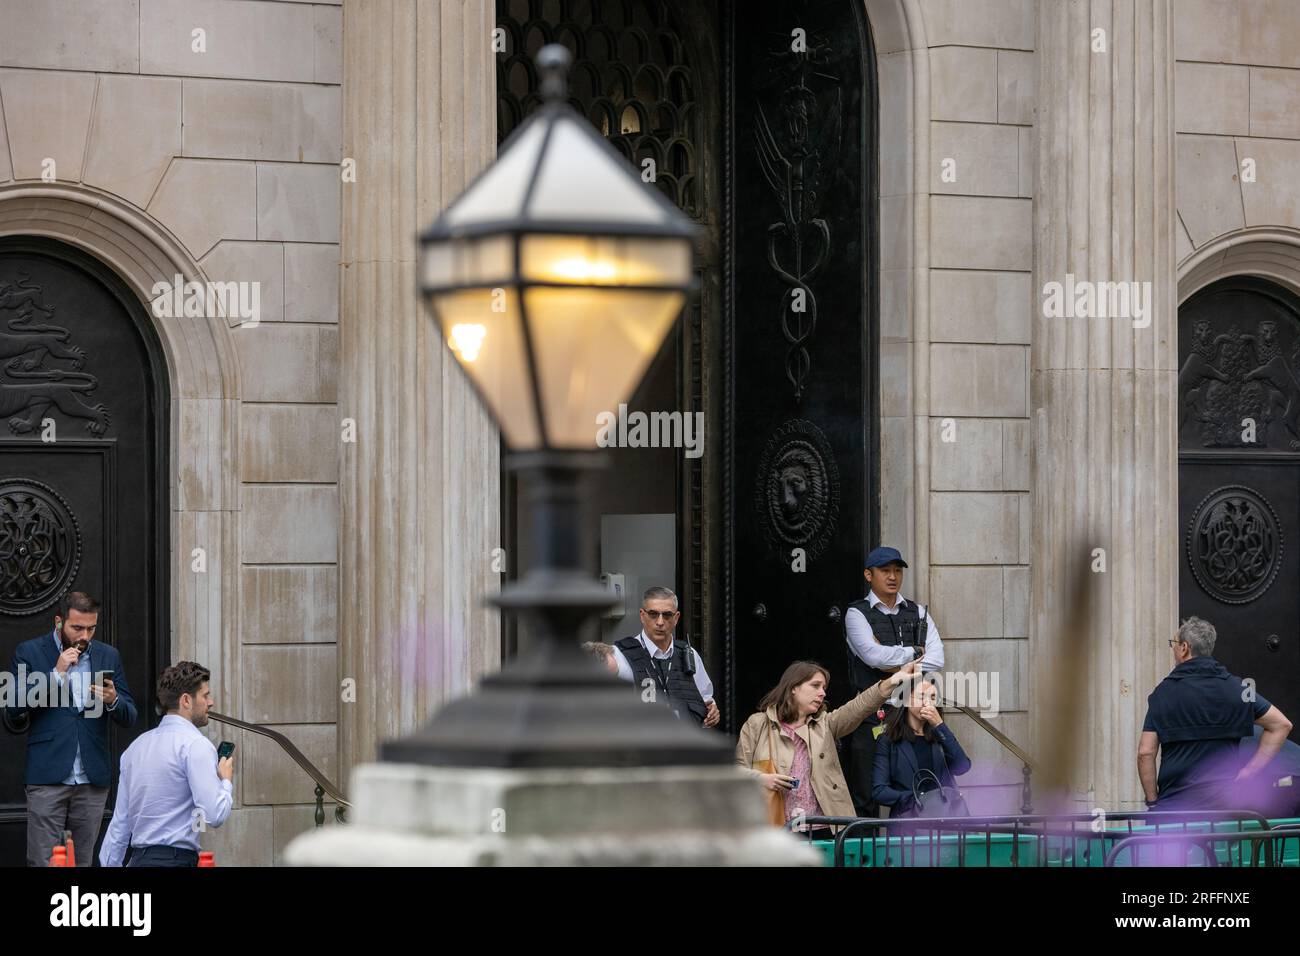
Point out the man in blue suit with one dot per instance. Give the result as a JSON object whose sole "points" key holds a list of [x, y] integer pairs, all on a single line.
{"points": [[74, 686]]}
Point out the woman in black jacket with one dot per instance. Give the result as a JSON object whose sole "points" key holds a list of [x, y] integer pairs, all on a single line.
{"points": [[914, 739]]}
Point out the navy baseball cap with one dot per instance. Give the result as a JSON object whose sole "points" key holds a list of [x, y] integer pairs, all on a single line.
{"points": [[882, 556]]}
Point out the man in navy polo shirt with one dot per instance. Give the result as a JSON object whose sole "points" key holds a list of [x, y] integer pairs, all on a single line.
{"points": [[1196, 718]]}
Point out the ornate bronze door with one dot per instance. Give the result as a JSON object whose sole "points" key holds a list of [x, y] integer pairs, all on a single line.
{"points": [[82, 496], [800, 327], [1239, 479]]}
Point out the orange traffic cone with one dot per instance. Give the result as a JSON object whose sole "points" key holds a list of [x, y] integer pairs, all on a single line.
{"points": [[72, 852], [206, 859], [59, 857]]}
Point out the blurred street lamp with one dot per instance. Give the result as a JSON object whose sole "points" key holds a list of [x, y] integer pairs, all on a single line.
{"points": [[555, 278], [557, 275]]}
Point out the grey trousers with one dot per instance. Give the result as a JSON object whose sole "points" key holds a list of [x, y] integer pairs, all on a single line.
{"points": [[53, 808]]}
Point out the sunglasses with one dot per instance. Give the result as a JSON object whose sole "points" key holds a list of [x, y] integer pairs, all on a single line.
{"points": [[659, 615]]}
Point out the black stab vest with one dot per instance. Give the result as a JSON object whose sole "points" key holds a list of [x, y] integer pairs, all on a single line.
{"points": [[683, 696], [907, 627]]}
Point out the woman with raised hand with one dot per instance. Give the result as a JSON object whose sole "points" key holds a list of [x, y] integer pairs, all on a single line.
{"points": [[789, 744]]}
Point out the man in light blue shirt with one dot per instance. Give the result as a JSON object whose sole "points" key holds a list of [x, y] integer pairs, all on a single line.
{"points": [[77, 679], [172, 786]]}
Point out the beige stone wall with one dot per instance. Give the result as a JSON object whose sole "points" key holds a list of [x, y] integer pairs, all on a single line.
{"points": [[1237, 105], [1102, 390], [232, 152], [957, 83], [419, 487]]}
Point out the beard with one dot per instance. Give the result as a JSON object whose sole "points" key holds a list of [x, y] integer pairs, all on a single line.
{"points": [[81, 644]]}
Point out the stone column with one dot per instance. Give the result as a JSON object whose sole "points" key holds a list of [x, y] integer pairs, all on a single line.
{"points": [[419, 487], [1105, 448]]}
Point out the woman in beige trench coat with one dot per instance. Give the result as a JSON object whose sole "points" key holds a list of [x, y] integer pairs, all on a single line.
{"points": [[793, 730]]}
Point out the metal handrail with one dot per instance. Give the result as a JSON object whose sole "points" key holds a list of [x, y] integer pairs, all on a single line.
{"points": [[324, 786], [1027, 763], [997, 735]]}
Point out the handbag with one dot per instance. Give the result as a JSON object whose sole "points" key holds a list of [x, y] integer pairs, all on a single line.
{"points": [[775, 798], [938, 801]]}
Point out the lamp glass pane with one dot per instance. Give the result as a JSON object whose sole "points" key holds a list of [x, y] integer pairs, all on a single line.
{"points": [[438, 265], [579, 180], [485, 262], [499, 193], [489, 346], [606, 260], [593, 347]]}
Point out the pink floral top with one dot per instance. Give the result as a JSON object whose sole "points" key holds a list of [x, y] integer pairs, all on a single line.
{"points": [[801, 799]]}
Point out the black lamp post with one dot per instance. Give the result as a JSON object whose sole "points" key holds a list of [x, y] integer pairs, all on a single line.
{"points": [[555, 278]]}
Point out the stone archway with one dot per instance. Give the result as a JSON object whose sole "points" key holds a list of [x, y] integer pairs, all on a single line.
{"points": [[1269, 252], [204, 416]]}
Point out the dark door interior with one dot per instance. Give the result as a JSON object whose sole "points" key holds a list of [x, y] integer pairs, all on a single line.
{"points": [[1239, 479], [646, 74], [760, 119], [82, 497]]}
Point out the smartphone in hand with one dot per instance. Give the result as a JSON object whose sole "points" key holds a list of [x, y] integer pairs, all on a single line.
{"points": [[225, 750]]}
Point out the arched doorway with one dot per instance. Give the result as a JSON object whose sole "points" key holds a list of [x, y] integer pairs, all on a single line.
{"points": [[1239, 478], [83, 482]]}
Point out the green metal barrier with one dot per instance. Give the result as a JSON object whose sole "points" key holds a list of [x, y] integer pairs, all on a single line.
{"points": [[1279, 846], [1035, 841]]}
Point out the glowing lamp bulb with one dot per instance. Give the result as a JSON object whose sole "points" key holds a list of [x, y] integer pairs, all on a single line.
{"points": [[584, 270], [467, 339]]}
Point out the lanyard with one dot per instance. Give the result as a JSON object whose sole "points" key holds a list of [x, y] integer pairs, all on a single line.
{"points": [[660, 678]]}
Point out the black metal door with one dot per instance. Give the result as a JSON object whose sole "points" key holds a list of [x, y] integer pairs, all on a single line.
{"points": [[1239, 479], [800, 466], [82, 497]]}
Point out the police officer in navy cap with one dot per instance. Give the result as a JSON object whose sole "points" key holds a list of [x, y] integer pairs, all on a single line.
{"points": [[884, 631]]}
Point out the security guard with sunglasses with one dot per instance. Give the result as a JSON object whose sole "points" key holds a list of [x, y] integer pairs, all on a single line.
{"points": [[654, 659]]}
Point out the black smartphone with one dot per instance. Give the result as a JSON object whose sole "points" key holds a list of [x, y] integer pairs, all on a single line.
{"points": [[225, 750], [98, 681]]}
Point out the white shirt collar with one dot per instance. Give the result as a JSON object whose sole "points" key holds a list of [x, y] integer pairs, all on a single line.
{"points": [[653, 649], [873, 600], [178, 721]]}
